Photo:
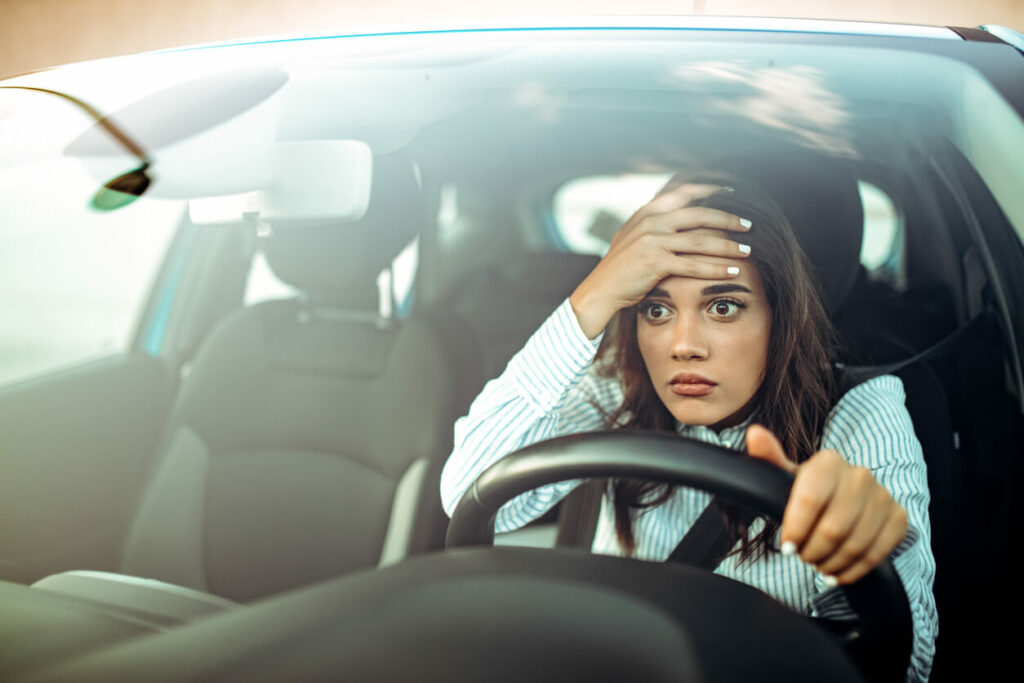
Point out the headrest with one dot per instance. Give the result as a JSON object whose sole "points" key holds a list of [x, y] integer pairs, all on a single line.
{"points": [[546, 274], [820, 197], [339, 263]]}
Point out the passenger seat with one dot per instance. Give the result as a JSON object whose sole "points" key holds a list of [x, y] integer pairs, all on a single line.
{"points": [[308, 438]]}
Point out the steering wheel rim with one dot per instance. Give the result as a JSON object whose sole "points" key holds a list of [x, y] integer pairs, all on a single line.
{"points": [[879, 642]]}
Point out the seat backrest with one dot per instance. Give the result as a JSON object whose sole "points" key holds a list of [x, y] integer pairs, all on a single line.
{"points": [[308, 437], [503, 304]]}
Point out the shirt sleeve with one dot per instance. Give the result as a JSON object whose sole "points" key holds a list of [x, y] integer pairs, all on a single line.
{"points": [[545, 391], [871, 428]]}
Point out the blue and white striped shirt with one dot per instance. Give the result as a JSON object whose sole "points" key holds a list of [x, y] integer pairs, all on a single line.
{"points": [[548, 390]]}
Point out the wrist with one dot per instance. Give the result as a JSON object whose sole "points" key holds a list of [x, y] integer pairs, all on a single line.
{"points": [[591, 313]]}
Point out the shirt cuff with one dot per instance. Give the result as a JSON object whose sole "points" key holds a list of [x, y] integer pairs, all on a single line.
{"points": [[554, 359]]}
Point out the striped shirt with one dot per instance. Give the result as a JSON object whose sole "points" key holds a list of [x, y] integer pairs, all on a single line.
{"points": [[548, 390]]}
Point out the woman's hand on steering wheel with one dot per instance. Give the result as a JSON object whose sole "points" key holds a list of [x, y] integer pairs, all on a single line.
{"points": [[664, 238], [838, 518]]}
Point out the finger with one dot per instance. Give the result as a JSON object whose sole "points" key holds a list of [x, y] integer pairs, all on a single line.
{"points": [[861, 539], [707, 242], [761, 443], [815, 484], [850, 510], [685, 265], [692, 217], [893, 533]]}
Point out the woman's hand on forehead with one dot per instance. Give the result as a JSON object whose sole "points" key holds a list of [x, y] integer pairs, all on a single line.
{"points": [[666, 237]]}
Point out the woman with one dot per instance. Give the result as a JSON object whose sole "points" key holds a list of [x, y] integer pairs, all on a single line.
{"points": [[716, 331]]}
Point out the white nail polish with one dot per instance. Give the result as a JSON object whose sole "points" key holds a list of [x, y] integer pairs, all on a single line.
{"points": [[733, 270], [745, 222], [788, 548], [831, 581], [744, 248]]}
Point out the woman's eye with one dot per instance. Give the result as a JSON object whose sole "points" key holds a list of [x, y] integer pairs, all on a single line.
{"points": [[654, 312], [726, 308]]}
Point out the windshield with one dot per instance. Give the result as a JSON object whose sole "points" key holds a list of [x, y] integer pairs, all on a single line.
{"points": [[522, 121], [248, 291]]}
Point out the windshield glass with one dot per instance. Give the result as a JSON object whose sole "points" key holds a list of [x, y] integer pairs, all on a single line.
{"points": [[248, 291], [503, 125]]}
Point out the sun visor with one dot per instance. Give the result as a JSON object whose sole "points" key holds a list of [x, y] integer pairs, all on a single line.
{"points": [[313, 182]]}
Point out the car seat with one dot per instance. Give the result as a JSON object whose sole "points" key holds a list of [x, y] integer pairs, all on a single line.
{"points": [[502, 304], [308, 437]]}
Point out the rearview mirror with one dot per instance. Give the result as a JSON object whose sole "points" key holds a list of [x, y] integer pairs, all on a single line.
{"points": [[319, 181]]}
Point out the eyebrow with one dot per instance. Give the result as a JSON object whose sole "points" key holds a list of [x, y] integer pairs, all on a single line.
{"points": [[707, 291], [724, 289]]}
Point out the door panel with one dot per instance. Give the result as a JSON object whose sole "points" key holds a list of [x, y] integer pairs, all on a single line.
{"points": [[74, 448]]}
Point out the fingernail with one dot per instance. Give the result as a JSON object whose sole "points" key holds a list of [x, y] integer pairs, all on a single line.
{"points": [[745, 222], [726, 188], [831, 581], [733, 270], [744, 248], [788, 548]]}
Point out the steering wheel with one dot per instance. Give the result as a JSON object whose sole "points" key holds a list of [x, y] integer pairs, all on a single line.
{"points": [[879, 641]]}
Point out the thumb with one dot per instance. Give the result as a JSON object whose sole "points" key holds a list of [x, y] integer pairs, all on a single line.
{"points": [[761, 443]]}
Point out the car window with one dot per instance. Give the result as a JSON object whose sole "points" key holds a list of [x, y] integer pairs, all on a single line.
{"points": [[588, 211], [990, 135], [264, 285], [881, 252], [73, 280], [74, 293]]}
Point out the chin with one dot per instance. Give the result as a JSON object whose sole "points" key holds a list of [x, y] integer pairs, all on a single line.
{"points": [[698, 413], [699, 416]]}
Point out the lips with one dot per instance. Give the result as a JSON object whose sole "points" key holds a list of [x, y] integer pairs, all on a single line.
{"points": [[691, 384]]}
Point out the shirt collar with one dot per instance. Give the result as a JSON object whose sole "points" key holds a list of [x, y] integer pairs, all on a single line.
{"points": [[732, 438]]}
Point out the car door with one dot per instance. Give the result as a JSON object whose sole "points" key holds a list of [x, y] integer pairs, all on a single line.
{"points": [[91, 353], [82, 398]]}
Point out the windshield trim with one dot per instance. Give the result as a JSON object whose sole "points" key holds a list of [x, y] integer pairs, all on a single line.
{"points": [[614, 23]]}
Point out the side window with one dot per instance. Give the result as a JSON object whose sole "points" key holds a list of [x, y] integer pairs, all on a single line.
{"points": [[264, 285], [74, 275], [882, 251], [394, 284], [588, 211], [72, 284]]}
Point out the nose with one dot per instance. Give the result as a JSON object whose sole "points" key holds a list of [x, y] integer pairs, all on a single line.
{"points": [[689, 341]]}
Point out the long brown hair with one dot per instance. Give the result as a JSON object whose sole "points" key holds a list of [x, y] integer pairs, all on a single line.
{"points": [[799, 386]]}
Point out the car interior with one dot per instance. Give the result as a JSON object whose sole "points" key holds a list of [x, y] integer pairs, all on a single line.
{"points": [[278, 445]]}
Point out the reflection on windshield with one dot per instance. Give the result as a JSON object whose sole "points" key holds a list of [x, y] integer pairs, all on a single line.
{"points": [[793, 100], [543, 103]]}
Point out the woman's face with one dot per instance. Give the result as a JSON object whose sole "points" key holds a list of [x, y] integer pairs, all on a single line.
{"points": [[705, 344]]}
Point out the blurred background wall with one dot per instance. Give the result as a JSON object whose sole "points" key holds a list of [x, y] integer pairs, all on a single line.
{"points": [[35, 34]]}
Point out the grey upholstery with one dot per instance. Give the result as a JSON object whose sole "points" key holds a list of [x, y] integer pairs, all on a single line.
{"points": [[154, 601], [504, 303], [298, 421]]}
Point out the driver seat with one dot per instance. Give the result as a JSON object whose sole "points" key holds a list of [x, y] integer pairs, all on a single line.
{"points": [[815, 191]]}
